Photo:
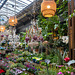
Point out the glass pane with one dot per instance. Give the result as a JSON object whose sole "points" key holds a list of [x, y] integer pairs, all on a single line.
{"points": [[9, 7]]}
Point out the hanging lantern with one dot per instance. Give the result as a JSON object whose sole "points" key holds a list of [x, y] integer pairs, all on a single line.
{"points": [[48, 8], [2, 28], [12, 20]]}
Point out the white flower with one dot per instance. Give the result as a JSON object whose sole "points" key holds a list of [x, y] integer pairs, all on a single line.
{"points": [[73, 14], [70, 16]]}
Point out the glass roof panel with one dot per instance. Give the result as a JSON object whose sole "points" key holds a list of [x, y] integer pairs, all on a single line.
{"points": [[9, 7]]}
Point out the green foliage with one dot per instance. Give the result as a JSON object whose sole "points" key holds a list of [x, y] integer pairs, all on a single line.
{"points": [[44, 64], [48, 24], [63, 7], [7, 72], [25, 53], [52, 71], [20, 65], [70, 16], [13, 66], [17, 65], [66, 70], [24, 73], [23, 35], [43, 56], [59, 43], [54, 59], [20, 59], [17, 52], [60, 58]]}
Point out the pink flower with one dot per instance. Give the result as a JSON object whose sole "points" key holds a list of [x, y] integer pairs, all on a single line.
{"points": [[72, 73], [60, 73], [67, 59], [7, 66], [60, 65], [68, 71]]}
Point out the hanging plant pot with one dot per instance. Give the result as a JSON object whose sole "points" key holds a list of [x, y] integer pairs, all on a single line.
{"points": [[6, 35], [2, 35], [35, 37], [41, 38], [27, 39]]}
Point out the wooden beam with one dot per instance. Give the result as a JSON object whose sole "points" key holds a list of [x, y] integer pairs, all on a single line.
{"points": [[73, 31], [69, 31]]}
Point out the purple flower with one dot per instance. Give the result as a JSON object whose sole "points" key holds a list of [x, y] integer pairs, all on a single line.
{"points": [[4, 65], [28, 66], [33, 68], [6, 58], [38, 69]]}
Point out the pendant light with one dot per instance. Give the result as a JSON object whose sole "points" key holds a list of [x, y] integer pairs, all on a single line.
{"points": [[13, 20], [48, 8], [2, 28]]}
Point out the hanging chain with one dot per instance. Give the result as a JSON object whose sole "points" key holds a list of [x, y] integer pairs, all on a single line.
{"points": [[7, 11], [0, 19], [34, 11], [15, 11], [15, 7]]}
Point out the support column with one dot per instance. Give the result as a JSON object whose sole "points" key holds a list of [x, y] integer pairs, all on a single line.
{"points": [[71, 31]]}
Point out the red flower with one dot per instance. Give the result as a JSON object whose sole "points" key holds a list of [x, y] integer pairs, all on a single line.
{"points": [[0, 53], [67, 59], [1, 71]]}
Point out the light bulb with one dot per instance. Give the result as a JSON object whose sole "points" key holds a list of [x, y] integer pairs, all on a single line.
{"points": [[48, 6], [12, 20], [1, 28]]}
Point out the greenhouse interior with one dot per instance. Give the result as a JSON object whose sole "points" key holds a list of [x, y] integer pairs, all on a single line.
{"points": [[37, 37]]}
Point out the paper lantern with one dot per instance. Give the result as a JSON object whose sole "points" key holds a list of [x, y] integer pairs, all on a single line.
{"points": [[12, 20], [2, 28], [48, 8]]}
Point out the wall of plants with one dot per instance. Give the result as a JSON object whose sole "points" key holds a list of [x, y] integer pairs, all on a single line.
{"points": [[57, 21], [42, 50]]}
